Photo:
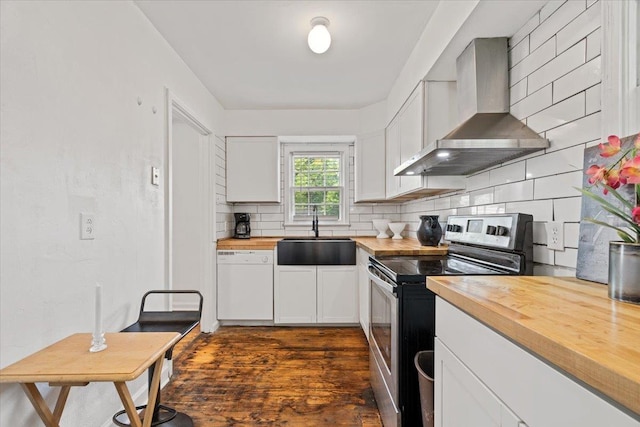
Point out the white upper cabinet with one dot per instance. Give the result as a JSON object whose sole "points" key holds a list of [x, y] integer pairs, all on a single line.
{"points": [[428, 114], [370, 166], [253, 169]]}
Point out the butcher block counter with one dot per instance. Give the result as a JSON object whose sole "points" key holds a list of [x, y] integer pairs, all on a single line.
{"points": [[408, 246], [569, 322]]}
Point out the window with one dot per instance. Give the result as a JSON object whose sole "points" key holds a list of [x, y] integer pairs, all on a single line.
{"points": [[317, 178]]}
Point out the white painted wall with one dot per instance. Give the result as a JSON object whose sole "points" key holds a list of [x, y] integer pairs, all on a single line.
{"points": [[291, 122], [74, 139], [555, 75]]}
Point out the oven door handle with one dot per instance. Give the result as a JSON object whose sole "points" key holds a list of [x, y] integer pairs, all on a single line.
{"points": [[381, 283]]}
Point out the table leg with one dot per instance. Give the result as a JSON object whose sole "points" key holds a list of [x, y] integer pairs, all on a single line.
{"points": [[62, 400], [154, 388], [40, 405], [127, 401]]}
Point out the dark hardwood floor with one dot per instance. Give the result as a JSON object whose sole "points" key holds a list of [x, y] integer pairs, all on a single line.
{"points": [[275, 376]]}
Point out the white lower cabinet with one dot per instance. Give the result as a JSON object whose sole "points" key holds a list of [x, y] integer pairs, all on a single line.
{"points": [[464, 401], [363, 290], [315, 294], [483, 379]]}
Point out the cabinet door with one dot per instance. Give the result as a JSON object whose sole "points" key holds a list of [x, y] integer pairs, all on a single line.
{"points": [[337, 294], [253, 169], [462, 400], [295, 294], [411, 125], [370, 165], [393, 158], [363, 290]]}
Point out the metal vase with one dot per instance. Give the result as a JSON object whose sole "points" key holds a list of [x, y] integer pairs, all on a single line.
{"points": [[624, 271]]}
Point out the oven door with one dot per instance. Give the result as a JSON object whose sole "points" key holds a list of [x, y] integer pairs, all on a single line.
{"points": [[383, 346]]}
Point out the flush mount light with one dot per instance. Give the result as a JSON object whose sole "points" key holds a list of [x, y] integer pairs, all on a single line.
{"points": [[319, 38], [410, 172], [443, 154]]}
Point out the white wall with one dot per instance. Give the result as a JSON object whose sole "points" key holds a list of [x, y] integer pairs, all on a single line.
{"points": [[291, 122], [74, 139], [555, 75]]}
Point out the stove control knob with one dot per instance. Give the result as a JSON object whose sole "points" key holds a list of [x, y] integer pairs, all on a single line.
{"points": [[491, 229], [502, 231], [457, 228], [449, 227]]}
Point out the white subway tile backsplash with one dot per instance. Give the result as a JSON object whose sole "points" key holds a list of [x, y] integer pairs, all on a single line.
{"points": [[593, 96], [271, 209], [386, 209], [577, 80], [571, 234], [594, 44], [558, 67], [459, 201], [568, 209], [556, 186], [579, 28], [556, 21], [479, 180], [518, 92], [549, 8], [506, 174], [567, 258], [525, 30], [542, 210], [559, 114], [560, 161], [519, 51], [579, 131], [533, 103], [496, 208], [361, 209], [542, 255], [271, 217], [534, 61], [442, 203], [553, 270], [513, 192], [482, 197]]}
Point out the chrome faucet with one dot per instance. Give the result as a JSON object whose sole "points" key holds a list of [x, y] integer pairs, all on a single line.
{"points": [[314, 221]]}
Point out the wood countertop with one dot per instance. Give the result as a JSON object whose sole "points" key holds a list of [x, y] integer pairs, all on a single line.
{"points": [[408, 246], [254, 243], [569, 322]]}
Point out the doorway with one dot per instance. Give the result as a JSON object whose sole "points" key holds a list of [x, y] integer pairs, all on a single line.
{"points": [[189, 217]]}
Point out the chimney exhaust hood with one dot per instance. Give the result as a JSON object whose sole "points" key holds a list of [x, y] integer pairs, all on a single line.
{"points": [[488, 135]]}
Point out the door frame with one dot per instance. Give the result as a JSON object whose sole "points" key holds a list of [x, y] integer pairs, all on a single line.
{"points": [[176, 108]]}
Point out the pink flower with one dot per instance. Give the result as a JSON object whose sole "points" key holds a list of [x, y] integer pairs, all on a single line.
{"points": [[630, 170], [610, 149], [635, 215], [597, 174]]}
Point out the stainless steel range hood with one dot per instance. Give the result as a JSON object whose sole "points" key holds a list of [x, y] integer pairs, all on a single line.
{"points": [[488, 135]]}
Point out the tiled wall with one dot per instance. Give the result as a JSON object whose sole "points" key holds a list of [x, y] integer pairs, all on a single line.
{"points": [[224, 210], [555, 88], [267, 219]]}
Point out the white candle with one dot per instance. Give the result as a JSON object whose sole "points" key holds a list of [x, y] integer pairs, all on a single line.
{"points": [[98, 312]]}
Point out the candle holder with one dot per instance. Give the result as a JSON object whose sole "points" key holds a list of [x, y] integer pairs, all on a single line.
{"points": [[98, 343]]}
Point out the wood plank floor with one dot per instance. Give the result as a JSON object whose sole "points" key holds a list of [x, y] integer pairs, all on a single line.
{"points": [[276, 376]]}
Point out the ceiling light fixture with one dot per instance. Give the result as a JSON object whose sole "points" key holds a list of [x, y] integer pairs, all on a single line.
{"points": [[319, 38]]}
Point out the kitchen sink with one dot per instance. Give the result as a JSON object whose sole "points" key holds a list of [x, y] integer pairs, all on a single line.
{"points": [[316, 251]]}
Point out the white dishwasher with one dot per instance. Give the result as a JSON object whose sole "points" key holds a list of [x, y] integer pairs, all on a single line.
{"points": [[245, 285]]}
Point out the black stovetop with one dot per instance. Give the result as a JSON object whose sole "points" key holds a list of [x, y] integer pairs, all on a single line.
{"points": [[416, 269]]}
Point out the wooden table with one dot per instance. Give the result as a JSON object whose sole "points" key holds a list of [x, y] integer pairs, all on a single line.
{"points": [[69, 363]]}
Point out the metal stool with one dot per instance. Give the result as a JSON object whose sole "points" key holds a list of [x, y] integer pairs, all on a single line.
{"points": [[182, 322]]}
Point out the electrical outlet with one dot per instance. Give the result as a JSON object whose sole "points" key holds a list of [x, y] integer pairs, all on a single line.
{"points": [[555, 235], [87, 226]]}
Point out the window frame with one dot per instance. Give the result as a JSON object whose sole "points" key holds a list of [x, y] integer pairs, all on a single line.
{"points": [[296, 149]]}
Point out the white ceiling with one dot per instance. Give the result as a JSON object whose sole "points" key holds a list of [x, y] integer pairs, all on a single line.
{"points": [[253, 54]]}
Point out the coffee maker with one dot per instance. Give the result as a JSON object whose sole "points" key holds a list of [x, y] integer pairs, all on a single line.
{"points": [[243, 226]]}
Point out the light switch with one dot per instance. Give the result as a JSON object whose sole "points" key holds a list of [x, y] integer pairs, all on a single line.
{"points": [[87, 226], [155, 176]]}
